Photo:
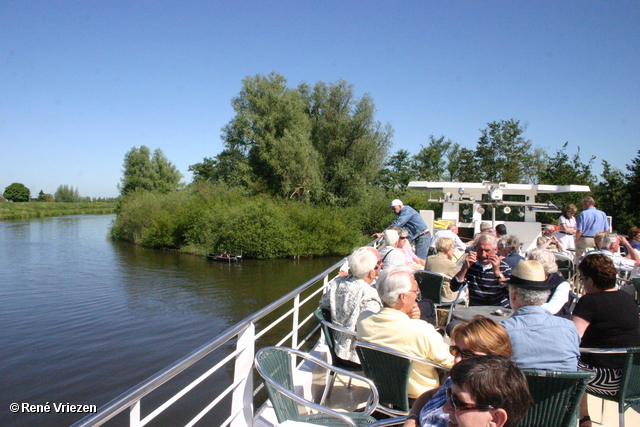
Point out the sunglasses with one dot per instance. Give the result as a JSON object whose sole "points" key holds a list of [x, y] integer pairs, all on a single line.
{"points": [[464, 354], [462, 406]]}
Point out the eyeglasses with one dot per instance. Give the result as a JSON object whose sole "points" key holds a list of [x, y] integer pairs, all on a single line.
{"points": [[418, 294], [461, 406], [378, 265], [464, 354]]}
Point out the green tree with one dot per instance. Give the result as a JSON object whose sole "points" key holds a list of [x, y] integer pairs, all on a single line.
{"points": [[398, 172], [351, 144], [271, 130], [67, 194], [150, 172], [430, 163], [17, 192], [462, 165], [633, 190], [45, 197], [612, 197], [503, 154]]}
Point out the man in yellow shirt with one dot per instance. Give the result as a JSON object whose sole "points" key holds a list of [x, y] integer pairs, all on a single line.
{"points": [[392, 327]]}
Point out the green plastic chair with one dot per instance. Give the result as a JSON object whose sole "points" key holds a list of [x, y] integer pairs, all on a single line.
{"points": [[390, 370], [328, 329], [629, 392], [556, 397], [430, 284], [275, 366]]}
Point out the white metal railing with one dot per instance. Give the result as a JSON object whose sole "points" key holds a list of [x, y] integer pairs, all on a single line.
{"points": [[241, 388]]}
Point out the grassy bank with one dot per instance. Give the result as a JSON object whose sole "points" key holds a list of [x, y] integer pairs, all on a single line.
{"points": [[211, 219], [9, 210]]}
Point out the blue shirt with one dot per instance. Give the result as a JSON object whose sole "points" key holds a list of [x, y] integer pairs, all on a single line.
{"points": [[431, 414], [411, 220], [542, 341], [592, 221]]}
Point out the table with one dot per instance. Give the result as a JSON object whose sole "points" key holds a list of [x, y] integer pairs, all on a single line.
{"points": [[467, 313]]}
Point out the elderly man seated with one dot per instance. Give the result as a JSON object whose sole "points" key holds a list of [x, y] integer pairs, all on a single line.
{"points": [[348, 296], [484, 273], [539, 339], [549, 241], [610, 247], [450, 233], [392, 327]]}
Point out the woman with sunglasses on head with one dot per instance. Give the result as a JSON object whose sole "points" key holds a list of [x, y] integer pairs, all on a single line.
{"points": [[479, 337], [487, 391], [605, 317]]}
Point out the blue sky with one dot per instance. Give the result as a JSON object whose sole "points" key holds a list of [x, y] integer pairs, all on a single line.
{"points": [[82, 82]]}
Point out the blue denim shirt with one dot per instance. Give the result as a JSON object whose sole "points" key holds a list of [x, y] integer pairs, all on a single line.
{"points": [[542, 341], [411, 220]]}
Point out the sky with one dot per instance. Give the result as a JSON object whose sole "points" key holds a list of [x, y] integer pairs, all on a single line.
{"points": [[82, 82]]}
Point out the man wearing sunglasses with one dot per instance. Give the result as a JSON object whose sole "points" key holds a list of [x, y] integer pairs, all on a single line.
{"points": [[487, 391], [394, 328]]}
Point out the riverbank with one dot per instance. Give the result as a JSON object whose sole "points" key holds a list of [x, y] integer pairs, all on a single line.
{"points": [[27, 210]]}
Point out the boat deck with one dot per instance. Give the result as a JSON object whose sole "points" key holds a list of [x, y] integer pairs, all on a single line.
{"points": [[345, 399]]}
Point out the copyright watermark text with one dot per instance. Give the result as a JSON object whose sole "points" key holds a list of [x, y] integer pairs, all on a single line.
{"points": [[59, 408]]}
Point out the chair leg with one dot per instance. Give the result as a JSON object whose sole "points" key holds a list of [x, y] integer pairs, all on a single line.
{"points": [[331, 378], [621, 414]]}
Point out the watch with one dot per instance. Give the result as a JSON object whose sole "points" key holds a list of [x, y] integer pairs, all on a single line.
{"points": [[500, 276]]}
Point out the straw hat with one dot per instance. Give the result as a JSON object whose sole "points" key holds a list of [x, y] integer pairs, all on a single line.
{"points": [[529, 274]]}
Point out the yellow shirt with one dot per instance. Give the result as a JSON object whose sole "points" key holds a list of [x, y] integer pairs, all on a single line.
{"points": [[394, 329]]}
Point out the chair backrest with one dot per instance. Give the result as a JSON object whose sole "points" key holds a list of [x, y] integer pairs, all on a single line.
{"points": [[390, 373], [630, 386], [556, 397], [430, 284], [276, 364], [324, 317]]}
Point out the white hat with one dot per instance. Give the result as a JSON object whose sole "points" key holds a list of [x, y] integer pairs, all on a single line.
{"points": [[396, 202]]}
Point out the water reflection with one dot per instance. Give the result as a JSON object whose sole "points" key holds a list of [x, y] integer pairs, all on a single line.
{"points": [[84, 319]]}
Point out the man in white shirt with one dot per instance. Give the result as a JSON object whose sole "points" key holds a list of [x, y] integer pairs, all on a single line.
{"points": [[450, 233]]}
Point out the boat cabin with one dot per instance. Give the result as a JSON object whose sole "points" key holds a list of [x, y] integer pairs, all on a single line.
{"points": [[468, 204]]}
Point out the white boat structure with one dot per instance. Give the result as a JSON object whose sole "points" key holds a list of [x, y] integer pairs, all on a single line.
{"points": [[468, 204], [289, 321]]}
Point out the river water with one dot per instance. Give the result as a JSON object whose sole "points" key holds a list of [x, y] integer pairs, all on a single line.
{"points": [[84, 319]]}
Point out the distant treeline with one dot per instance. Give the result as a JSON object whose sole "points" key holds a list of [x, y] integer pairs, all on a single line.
{"points": [[9, 210]]}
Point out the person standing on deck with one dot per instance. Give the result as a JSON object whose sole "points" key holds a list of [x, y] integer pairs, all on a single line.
{"points": [[410, 219], [590, 221]]}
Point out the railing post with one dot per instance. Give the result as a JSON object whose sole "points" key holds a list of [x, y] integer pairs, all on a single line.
{"points": [[134, 415], [296, 313], [242, 396]]}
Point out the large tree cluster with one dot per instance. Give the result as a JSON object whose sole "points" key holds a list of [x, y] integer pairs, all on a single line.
{"points": [[319, 142]]}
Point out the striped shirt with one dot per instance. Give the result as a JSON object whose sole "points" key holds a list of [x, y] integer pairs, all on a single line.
{"points": [[484, 286]]}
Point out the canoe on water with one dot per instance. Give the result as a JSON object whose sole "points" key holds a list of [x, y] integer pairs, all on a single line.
{"points": [[224, 257]]}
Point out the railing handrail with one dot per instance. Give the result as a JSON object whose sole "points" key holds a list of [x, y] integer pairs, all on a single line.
{"points": [[134, 394]]}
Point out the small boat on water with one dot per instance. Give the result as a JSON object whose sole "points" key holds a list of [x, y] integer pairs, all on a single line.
{"points": [[225, 257]]}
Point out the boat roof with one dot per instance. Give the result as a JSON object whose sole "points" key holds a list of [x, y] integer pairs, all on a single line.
{"points": [[505, 187]]}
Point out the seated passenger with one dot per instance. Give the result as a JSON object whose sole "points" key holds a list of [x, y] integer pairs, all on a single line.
{"points": [[441, 262], [559, 302], [392, 327], [390, 254], [450, 233], [481, 336], [549, 241], [509, 248], [539, 340], [348, 296], [487, 391], [410, 258], [484, 273]]}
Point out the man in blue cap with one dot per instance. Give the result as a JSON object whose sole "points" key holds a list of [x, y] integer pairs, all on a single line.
{"points": [[410, 219]]}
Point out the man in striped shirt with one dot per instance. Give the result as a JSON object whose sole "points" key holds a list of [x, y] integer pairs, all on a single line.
{"points": [[484, 273]]}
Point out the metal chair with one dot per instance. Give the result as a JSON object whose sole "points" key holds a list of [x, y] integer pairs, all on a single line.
{"points": [[328, 330], [566, 266], [556, 397], [389, 370], [275, 366], [629, 393]]}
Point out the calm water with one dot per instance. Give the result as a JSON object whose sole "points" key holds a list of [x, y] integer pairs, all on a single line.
{"points": [[84, 319]]}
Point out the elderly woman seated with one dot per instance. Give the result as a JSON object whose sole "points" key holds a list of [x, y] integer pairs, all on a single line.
{"points": [[509, 248], [390, 254], [442, 262], [403, 244], [559, 302], [605, 318]]}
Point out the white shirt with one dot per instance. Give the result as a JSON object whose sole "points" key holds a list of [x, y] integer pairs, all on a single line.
{"points": [[449, 235]]}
